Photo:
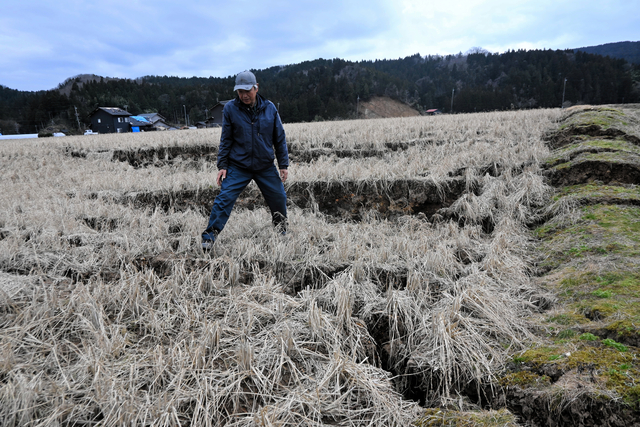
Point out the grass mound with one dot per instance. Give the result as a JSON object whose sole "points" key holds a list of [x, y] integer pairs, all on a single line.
{"points": [[587, 367]]}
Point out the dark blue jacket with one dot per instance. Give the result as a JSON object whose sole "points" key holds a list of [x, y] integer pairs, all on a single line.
{"points": [[252, 139]]}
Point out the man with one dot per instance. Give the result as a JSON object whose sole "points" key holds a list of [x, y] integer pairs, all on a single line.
{"points": [[252, 137]]}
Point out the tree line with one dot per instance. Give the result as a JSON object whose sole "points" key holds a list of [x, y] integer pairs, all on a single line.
{"points": [[330, 89]]}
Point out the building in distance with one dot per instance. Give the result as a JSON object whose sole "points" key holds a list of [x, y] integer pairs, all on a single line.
{"points": [[110, 120]]}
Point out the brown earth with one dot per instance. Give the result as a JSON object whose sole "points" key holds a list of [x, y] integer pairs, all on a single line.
{"points": [[345, 200], [383, 107], [161, 156]]}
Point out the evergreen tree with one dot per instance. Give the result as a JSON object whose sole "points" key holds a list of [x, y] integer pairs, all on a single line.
{"points": [[329, 88]]}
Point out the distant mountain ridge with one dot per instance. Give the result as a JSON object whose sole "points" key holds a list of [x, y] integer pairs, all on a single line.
{"points": [[629, 51], [337, 89], [80, 79]]}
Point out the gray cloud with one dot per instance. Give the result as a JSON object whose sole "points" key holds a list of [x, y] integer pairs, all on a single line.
{"points": [[44, 43]]}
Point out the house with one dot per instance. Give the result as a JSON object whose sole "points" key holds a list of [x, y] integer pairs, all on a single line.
{"points": [[216, 114], [110, 120], [140, 124], [157, 120], [433, 112], [153, 117]]}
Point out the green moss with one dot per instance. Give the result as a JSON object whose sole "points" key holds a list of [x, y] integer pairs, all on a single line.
{"points": [[608, 157], [519, 359], [598, 310], [600, 230], [614, 158], [583, 250], [624, 381], [601, 358], [566, 334], [433, 417], [614, 288], [564, 165], [594, 191], [545, 230], [616, 366], [587, 336], [599, 293], [623, 328], [567, 319], [524, 379], [583, 145], [541, 354], [611, 343], [603, 117], [631, 396], [609, 297]]}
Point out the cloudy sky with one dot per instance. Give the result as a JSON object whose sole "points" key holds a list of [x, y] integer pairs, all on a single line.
{"points": [[44, 42]]}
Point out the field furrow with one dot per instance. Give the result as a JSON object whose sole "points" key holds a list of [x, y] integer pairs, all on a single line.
{"points": [[406, 282]]}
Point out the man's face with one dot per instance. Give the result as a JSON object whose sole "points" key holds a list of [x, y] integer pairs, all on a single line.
{"points": [[248, 97]]}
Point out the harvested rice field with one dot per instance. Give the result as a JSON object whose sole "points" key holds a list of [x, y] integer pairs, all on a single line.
{"points": [[463, 270]]}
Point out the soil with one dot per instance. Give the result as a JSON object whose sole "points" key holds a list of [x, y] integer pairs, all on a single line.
{"points": [[163, 156], [575, 132], [585, 169], [347, 200], [384, 107]]}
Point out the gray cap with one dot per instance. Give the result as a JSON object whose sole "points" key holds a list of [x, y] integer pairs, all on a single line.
{"points": [[245, 81]]}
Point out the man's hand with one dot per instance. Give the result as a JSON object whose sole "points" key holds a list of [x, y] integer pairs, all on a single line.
{"points": [[284, 173], [222, 174]]}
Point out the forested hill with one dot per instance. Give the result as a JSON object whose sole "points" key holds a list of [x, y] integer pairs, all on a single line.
{"points": [[327, 89], [629, 51]]}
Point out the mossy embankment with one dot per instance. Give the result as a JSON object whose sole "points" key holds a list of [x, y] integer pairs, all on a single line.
{"points": [[586, 370]]}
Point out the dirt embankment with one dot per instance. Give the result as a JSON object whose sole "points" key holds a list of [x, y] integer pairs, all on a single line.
{"points": [[586, 371], [383, 107]]}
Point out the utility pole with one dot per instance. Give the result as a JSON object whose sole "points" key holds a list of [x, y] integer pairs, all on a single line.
{"points": [[452, 92], [563, 90], [358, 107], [185, 114], [77, 117]]}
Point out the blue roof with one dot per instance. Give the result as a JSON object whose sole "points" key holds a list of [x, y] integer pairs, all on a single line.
{"points": [[140, 119]]}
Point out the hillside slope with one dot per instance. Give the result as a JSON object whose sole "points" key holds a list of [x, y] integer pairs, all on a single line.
{"points": [[629, 51], [384, 107]]}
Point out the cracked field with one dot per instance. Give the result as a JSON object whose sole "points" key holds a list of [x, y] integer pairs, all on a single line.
{"points": [[437, 269]]}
